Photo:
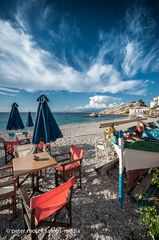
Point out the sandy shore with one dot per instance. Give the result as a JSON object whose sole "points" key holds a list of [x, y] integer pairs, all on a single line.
{"points": [[95, 208]]}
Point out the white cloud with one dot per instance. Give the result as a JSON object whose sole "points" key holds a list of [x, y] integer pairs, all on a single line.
{"points": [[7, 94], [9, 90], [133, 58], [139, 46], [101, 102], [24, 65]]}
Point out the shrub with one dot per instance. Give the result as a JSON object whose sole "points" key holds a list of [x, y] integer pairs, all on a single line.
{"points": [[150, 214]]}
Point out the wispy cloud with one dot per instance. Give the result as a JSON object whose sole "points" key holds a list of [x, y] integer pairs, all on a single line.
{"points": [[31, 67], [9, 90], [101, 102], [7, 94], [141, 49], [119, 57]]}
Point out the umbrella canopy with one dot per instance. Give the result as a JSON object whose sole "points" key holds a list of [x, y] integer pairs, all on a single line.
{"points": [[14, 121], [29, 122], [45, 124]]}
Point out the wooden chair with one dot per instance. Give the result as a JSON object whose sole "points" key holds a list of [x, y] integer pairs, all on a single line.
{"points": [[9, 150], [8, 190], [70, 165], [22, 151], [39, 208]]}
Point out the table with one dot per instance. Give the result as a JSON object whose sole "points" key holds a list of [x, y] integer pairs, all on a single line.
{"points": [[22, 137], [25, 165]]}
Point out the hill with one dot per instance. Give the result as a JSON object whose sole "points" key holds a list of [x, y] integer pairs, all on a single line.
{"points": [[123, 109]]}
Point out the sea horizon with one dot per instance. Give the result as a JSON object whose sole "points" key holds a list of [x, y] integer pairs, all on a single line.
{"points": [[62, 118]]}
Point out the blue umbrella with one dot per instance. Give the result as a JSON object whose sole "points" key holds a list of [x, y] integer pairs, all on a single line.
{"points": [[14, 121], [29, 122], [45, 124]]}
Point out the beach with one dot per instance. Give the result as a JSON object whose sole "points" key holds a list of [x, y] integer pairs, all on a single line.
{"points": [[95, 208]]}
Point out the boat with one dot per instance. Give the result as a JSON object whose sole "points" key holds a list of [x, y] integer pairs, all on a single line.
{"points": [[137, 158]]}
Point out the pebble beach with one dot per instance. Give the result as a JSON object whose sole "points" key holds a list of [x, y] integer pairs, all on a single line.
{"points": [[95, 208]]}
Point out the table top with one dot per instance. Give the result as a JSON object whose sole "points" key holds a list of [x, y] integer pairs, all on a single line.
{"points": [[24, 137], [26, 164]]}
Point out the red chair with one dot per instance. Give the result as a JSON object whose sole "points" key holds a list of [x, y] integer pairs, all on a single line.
{"points": [[39, 208], [70, 165], [42, 145], [9, 150], [8, 190]]}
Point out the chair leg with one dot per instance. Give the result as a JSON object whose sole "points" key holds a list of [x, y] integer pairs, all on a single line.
{"points": [[96, 152], [80, 177], [6, 159], [24, 213], [14, 207], [69, 208], [18, 183], [32, 226], [56, 179], [33, 236]]}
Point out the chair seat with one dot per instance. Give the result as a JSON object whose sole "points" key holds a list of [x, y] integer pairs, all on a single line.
{"points": [[68, 167], [6, 191]]}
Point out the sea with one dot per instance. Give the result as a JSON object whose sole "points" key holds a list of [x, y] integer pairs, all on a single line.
{"points": [[61, 118]]}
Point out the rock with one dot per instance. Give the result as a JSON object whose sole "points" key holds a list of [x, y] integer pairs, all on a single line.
{"points": [[93, 114]]}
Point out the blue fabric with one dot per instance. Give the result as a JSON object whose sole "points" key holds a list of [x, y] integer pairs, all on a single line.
{"points": [[29, 122], [151, 135], [14, 121], [11, 134], [25, 133], [133, 129], [45, 124]]}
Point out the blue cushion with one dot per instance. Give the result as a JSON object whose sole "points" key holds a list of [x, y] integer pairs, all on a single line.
{"points": [[25, 133], [11, 134]]}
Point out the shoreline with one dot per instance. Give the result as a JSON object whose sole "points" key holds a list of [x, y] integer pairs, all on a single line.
{"points": [[88, 124], [88, 120]]}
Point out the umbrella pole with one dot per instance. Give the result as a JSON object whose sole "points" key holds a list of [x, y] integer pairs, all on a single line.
{"points": [[121, 169]]}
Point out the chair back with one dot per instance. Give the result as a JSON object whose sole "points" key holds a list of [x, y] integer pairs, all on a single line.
{"points": [[48, 203], [76, 152], [9, 146], [24, 150]]}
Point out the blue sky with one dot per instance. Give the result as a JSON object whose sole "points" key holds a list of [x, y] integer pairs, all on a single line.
{"points": [[83, 54]]}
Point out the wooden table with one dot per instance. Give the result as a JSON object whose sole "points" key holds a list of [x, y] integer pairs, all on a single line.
{"points": [[26, 165], [22, 137]]}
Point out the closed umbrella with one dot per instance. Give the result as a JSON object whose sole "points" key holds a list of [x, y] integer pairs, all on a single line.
{"points": [[14, 121], [29, 122], [45, 124]]}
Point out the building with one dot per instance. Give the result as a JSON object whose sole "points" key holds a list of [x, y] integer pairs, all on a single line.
{"points": [[138, 111], [154, 102]]}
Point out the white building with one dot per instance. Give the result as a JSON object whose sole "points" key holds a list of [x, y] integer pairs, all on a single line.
{"points": [[155, 102], [138, 111]]}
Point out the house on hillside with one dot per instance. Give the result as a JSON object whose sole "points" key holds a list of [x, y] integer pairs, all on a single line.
{"points": [[138, 111], [154, 102]]}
